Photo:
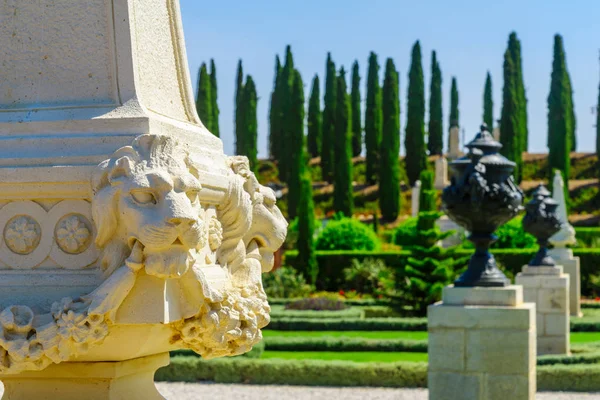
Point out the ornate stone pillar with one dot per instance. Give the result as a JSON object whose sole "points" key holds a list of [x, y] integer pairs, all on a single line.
{"points": [[482, 342], [544, 282], [127, 232]]}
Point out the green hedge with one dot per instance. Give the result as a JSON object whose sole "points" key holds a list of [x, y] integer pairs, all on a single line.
{"points": [[294, 372], [348, 324], [344, 344], [576, 378], [587, 237], [350, 302], [332, 263], [312, 314]]}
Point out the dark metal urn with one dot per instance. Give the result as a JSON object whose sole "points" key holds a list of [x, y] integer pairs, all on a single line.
{"points": [[482, 196], [542, 222]]}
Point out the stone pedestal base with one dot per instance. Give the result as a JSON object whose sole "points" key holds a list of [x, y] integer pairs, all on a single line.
{"points": [[571, 266], [548, 288], [482, 345], [124, 380]]}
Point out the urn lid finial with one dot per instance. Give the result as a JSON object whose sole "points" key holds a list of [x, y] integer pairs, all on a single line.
{"points": [[484, 141]]}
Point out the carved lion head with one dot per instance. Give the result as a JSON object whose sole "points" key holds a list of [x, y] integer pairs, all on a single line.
{"points": [[146, 207]]}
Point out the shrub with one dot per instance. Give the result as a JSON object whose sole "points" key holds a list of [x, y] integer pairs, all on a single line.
{"points": [[406, 233], [285, 282], [512, 236], [348, 324], [430, 268], [317, 304], [370, 276], [347, 234]]}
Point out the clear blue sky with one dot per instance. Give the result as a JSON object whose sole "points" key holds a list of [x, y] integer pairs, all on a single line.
{"points": [[470, 37]]}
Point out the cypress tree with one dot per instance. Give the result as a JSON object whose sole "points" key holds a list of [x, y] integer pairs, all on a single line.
{"points": [[295, 138], [328, 121], [435, 143], [287, 121], [488, 103], [307, 259], [356, 121], [343, 200], [203, 100], [510, 118], [514, 47], [389, 173], [559, 116], [275, 114], [571, 109], [214, 96], [239, 118], [598, 124], [250, 126], [373, 121], [414, 139], [454, 114], [315, 122]]}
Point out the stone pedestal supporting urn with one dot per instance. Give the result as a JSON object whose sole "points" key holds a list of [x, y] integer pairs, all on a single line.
{"points": [[482, 341], [126, 231], [544, 282], [560, 252]]}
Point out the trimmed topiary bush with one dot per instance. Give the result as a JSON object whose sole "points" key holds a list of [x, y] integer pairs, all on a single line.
{"points": [[347, 234]]}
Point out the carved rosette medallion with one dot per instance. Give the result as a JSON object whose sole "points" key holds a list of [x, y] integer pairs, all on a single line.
{"points": [[22, 234], [73, 234]]}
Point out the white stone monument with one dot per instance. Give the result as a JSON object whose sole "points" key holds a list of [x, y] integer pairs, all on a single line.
{"points": [[126, 231], [415, 198], [482, 345], [454, 143], [561, 253], [548, 288], [441, 173], [496, 133]]}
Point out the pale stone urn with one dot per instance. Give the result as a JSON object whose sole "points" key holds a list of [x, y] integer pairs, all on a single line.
{"points": [[126, 231]]}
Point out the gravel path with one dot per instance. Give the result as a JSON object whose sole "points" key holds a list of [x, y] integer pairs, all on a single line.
{"points": [[196, 391]]}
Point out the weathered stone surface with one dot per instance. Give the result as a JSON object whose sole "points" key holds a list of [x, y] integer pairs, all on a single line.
{"points": [[482, 296], [449, 347], [454, 386], [551, 296]]}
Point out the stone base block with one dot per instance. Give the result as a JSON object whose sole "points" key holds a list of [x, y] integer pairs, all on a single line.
{"points": [[571, 266], [548, 288], [124, 380], [482, 345]]}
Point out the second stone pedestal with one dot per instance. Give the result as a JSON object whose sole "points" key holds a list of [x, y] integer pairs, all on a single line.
{"points": [[482, 345], [548, 288]]}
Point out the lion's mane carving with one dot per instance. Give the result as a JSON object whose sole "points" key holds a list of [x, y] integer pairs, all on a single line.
{"points": [[253, 229]]}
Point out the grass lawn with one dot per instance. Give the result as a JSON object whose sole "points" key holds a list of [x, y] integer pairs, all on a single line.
{"points": [[408, 335], [585, 337], [356, 356]]}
